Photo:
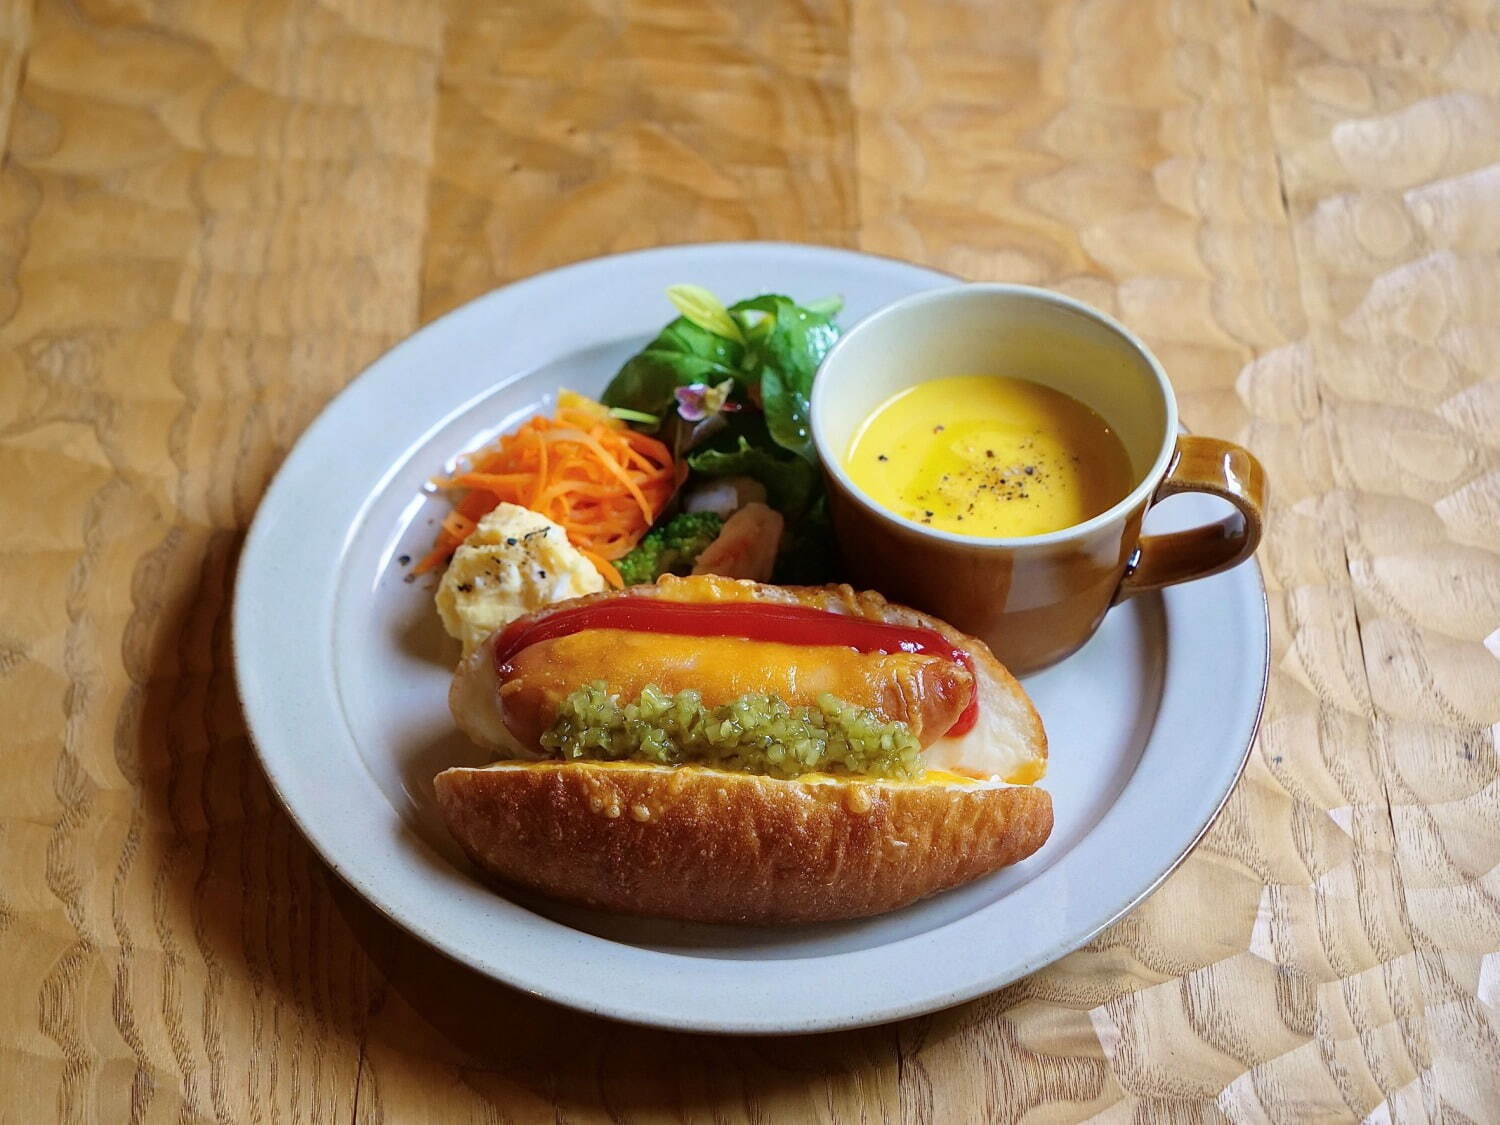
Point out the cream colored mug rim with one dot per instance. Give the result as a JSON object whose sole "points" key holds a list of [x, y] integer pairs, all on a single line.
{"points": [[833, 461]]}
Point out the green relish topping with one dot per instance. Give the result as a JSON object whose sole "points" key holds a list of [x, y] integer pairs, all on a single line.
{"points": [[754, 734]]}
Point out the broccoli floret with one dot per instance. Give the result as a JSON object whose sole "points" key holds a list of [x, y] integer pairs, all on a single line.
{"points": [[672, 548], [640, 565], [689, 534]]}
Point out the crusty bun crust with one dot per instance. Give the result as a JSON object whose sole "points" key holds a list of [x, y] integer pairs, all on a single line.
{"points": [[709, 845]]}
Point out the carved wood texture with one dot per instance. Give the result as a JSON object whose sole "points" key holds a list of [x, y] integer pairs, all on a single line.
{"points": [[212, 215]]}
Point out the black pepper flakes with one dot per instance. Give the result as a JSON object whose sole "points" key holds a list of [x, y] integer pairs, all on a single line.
{"points": [[464, 588], [404, 560], [882, 457], [511, 541]]}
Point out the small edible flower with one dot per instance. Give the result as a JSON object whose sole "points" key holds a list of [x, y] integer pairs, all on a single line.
{"points": [[698, 401]]}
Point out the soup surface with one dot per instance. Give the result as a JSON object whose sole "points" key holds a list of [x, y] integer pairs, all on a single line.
{"points": [[989, 455]]}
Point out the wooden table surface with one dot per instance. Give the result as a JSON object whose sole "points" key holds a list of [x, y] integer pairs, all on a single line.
{"points": [[212, 216]]}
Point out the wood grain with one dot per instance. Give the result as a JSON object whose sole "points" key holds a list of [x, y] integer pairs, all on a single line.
{"points": [[212, 215], [212, 221]]}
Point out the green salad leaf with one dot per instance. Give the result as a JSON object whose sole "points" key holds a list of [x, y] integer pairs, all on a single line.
{"points": [[787, 415], [789, 481], [792, 340], [770, 346], [705, 310], [683, 353], [827, 307]]}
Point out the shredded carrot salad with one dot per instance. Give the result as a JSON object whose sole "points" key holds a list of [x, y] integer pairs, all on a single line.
{"points": [[602, 481]]}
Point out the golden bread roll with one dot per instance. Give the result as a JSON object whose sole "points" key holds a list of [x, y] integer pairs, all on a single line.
{"points": [[709, 845]]}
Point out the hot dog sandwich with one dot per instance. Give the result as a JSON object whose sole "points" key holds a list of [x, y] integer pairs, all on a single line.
{"points": [[718, 750]]}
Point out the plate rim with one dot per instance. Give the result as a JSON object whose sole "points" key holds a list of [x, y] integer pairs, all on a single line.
{"points": [[254, 703]]}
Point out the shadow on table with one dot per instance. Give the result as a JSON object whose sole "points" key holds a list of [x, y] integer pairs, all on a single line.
{"points": [[571, 1060]]}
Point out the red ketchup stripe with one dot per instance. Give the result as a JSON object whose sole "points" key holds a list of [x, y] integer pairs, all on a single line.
{"points": [[753, 621]]}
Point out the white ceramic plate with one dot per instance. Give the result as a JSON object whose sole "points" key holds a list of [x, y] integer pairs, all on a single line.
{"points": [[343, 669]]}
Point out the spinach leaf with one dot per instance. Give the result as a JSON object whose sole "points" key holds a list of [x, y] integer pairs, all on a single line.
{"points": [[682, 353], [789, 481], [797, 340], [791, 341], [786, 414]]}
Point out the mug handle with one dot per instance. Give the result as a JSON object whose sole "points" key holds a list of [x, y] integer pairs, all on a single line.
{"points": [[1219, 468]]}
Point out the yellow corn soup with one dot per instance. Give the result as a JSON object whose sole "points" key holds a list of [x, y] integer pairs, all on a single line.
{"points": [[989, 455]]}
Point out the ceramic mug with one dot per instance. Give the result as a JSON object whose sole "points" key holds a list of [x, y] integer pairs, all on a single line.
{"points": [[1033, 599]]}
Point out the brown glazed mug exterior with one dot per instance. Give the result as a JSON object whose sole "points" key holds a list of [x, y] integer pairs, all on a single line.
{"points": [[1034, 599]]}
